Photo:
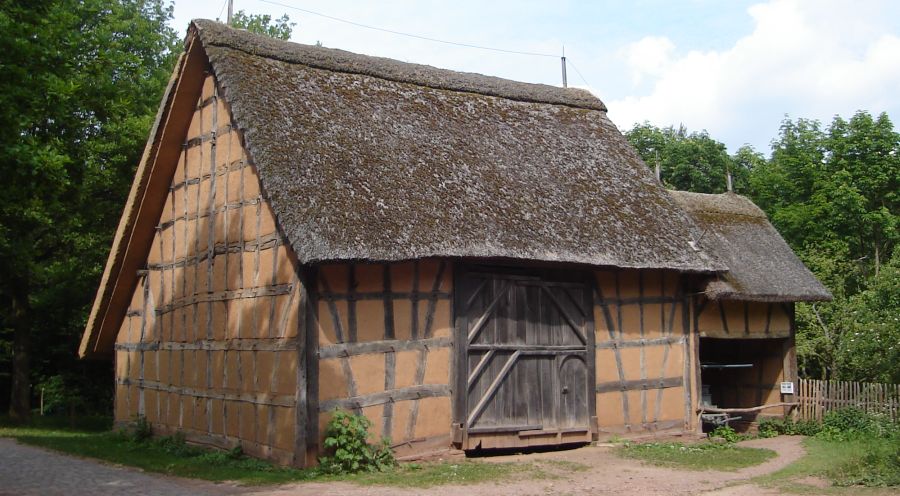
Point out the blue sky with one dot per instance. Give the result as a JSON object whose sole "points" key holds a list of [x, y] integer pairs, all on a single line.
{"points": [[733, 68]]}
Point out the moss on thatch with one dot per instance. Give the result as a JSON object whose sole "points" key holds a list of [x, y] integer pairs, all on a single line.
{"points": [[374, 159], [761, 265]]}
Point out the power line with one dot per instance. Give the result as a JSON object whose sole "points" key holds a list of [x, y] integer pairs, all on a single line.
{"points": [[222, 9], [426, 38], [582, 77]]}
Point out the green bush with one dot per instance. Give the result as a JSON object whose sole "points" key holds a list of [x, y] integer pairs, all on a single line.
{"points": [[727, 433], [852, 423], [788, 427], [176, 445], [838, 425], [73, 395], [140, 429], [877, 465], [349, 451], [880, 466], [767, 429]]}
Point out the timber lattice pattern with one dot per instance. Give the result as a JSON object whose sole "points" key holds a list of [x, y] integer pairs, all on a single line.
{"points": [[384, 342], [641, 328], [209, 343]]}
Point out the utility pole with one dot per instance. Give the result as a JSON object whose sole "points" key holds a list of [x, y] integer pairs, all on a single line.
{"points": [[658, 169], [230, 10], [565, 83]]}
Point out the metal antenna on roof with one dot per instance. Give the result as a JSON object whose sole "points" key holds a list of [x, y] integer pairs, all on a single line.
{"points": [[565, 83], [230, 10], [695, 243], [658, 171]]}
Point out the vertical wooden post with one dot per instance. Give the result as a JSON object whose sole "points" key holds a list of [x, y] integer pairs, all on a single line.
{"points": [[790, 358], [690, 386], [145, 309], [626, 410], [642, 353], [460, 367], [301, 408], [211, 250], [308, 365], [390, 359], [696, 307], [591, 333]]}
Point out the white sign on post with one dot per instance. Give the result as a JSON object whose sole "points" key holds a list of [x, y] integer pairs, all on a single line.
{"points": [[787, 388]]}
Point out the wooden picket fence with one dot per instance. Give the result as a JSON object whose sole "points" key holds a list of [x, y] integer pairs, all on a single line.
{"points": [[818, 397]]}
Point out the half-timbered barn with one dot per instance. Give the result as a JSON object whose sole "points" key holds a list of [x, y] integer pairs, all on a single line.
{"points": [[468, 261]]}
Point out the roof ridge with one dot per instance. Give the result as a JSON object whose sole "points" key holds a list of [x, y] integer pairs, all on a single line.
{"points": [[213, 33], [727, 203]]}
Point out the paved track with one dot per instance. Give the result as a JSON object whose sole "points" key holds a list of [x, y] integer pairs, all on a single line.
{"points": [[26, 470]]}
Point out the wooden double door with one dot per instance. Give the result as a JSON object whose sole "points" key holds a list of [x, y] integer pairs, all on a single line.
{"points": [[524, 358]]}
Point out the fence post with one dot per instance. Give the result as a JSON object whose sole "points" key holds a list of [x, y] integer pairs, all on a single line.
{"points": [[816, 398]]}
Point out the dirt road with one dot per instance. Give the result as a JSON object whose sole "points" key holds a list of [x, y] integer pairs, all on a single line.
{"points": [[26, 470], [608, 474]]}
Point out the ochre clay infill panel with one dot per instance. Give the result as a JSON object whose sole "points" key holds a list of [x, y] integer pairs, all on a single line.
{"points": [[641, 351], [384, 343], [741, 319], [218, 350]]}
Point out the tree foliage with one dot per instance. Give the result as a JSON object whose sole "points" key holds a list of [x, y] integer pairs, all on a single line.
{"points": [[832, 192], [691, 161], [81, 81], [280, 28]]}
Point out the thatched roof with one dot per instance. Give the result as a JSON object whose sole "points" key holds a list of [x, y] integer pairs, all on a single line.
{"points": [[372, 159], [761, 266]]}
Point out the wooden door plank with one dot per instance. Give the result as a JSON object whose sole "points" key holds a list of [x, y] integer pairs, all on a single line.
{"points": [[565, 315], [479, 368], [486, 315], [493, 388]]}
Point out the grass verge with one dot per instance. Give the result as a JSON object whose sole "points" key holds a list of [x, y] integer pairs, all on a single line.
{"points": [[699, 456], [464, 472], [847, 463], [162, 456], [172, 457]]}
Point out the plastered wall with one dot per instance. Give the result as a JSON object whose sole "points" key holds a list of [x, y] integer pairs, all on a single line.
{"points": [[643, 351], [209, 343], [384, 348], [742, 319]]}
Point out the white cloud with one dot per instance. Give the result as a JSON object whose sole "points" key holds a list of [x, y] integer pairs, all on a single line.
{"points": [[808, 59], [650, 56]]}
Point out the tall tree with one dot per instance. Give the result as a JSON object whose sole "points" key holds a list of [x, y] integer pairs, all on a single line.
{"points": [[80, 83], [691, 161], [833, 194], [862, 184], [280, 28]]}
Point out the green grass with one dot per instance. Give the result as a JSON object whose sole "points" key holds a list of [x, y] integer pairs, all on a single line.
{"points": [[698, 456], [462, 472], [840, 463], [156, 456], [171, 457]]}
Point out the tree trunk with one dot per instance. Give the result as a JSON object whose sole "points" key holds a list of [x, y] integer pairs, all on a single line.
{"points": [[20, 391], [877, 258]]}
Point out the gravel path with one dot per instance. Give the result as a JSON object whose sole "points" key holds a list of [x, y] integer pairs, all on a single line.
{"points": [[26, 470], [608, 474]]}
